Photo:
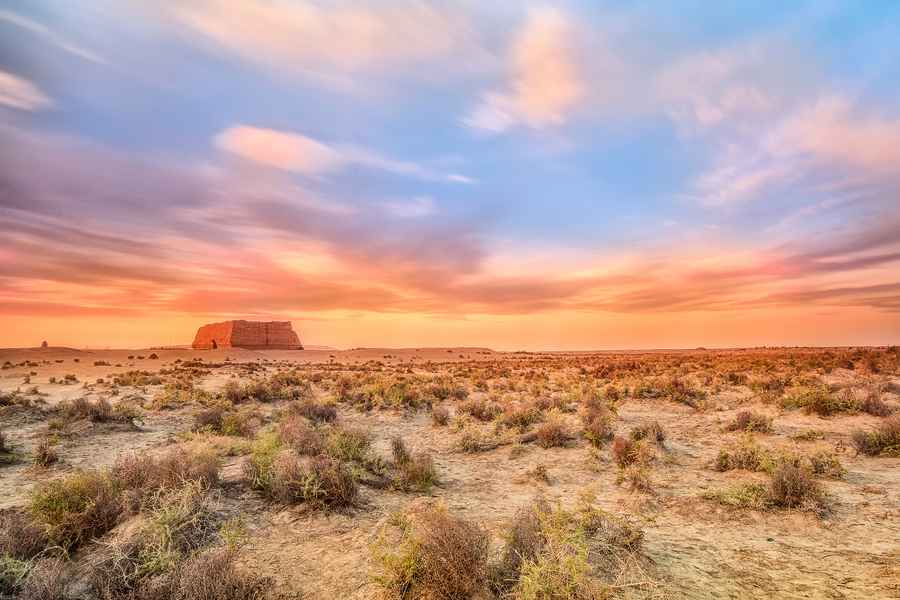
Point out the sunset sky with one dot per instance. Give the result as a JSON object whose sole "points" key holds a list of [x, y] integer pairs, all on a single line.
{"points": [[570, 175]]}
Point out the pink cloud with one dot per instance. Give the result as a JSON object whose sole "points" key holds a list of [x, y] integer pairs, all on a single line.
{"points": [[831, 131], [546, 83], [21, 94]]}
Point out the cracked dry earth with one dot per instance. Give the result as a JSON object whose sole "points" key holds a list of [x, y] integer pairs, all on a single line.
{"points": [[694, 547]]}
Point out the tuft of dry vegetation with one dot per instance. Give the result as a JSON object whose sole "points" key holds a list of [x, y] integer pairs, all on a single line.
{"points": [[748, 420], [884, 440], [437, 556], [440, 415]]}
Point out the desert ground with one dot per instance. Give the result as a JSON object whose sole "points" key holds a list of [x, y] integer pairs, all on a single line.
{"points": [[450, 473]]}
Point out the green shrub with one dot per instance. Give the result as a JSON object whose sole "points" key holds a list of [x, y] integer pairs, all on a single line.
{"points": [[821, 401], [76, 508], [348, 444]]}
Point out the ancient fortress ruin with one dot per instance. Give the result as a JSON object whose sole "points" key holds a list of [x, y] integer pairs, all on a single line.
{"points": [[254, 335]]}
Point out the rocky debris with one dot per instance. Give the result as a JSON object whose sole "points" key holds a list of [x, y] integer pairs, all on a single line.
{"points": [[257, 335]]}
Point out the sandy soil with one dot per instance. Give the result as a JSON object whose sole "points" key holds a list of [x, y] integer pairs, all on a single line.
{"points": [[697, 548]]}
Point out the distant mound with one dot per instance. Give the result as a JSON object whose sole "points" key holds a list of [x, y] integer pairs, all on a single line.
{"points": [[253, 335]]}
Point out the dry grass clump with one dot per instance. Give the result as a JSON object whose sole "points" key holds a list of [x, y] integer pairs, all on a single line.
{"points": [[438, 556], [555, 554], [349, 444], [474, 440], [598, 431], [99, 411], [7, 455], [47, 579], [823, 463], [177, 394], [213, 575], [87, 504], [746, 455], [447, 390], [822, 401], [523, 542], [597, 416], [181, 523], [637, 476], [20, 536], [322, 482], [884, 440], [671, 388], [748, 420], [281, 475], [440, 415], [808, 435], [136, 379], [626, 452], [483, 410], [380, 392], [21, 543], [301, 436], [44, 453], [316, 412], [415, 471], [651, 431], [794, 487], [791, 486], [553, 432], [749, 456], [140, 478], [747, 495], [874, 405], [222, 421], [284, 385], [633, 457], [76, 508], [521, 416]]}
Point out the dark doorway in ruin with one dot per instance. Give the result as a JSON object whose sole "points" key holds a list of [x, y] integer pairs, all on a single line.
{"points": [[215, 345]]}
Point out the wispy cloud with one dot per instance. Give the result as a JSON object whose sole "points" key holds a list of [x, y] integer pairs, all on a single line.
{"points": [[826, 146], [21, 94], [51, 36], [421, 206], [299, 153], [329, 41], [545, 80], [96, 247]]}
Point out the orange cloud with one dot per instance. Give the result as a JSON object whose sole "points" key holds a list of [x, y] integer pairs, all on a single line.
{"points": [[200, 244]]}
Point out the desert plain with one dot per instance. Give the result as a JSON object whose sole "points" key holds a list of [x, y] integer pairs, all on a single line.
{"points": [[450, 473]]}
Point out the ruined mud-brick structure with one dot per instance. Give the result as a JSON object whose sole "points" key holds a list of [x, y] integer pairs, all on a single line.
{"points": [[255, 335]]}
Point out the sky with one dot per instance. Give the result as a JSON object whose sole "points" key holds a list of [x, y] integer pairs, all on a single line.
{"points": [[568, 175]]}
